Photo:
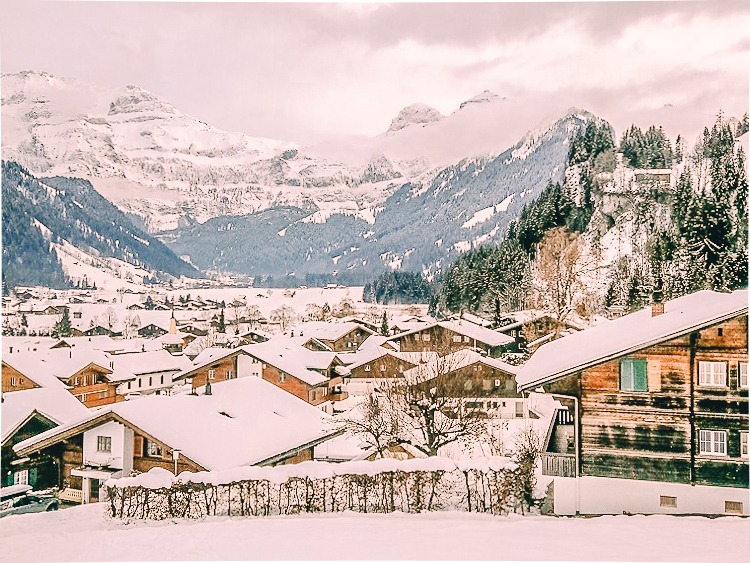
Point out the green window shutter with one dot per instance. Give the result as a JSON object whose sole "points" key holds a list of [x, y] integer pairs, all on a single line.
{"points": [[633, 375], [641, 375]]}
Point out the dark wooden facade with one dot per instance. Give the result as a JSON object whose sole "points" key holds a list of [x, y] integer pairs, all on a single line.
{"points": [[436, 338], [654, 432]]}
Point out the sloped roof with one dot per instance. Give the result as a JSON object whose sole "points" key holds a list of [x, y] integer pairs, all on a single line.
{"points": [[328, 330], [465, 328], [455, 361], [245, 421], [628, 334], [56, 404]]}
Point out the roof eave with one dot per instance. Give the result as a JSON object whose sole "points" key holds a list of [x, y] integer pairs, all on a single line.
{"points": [[632, 349]]}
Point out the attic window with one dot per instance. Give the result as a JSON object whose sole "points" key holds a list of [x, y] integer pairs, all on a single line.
{"points": [[720, 331]]}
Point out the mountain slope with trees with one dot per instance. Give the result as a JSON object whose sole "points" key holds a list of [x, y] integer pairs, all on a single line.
{"points": [[39, 212]]}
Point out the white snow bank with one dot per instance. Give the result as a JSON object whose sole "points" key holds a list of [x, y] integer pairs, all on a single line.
{"points": [[84, 534]]}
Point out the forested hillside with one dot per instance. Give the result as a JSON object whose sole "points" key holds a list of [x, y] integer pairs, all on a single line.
{"points": [[616, 231], [39, 212]]}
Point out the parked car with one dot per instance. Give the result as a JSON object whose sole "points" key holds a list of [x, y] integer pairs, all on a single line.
{"points": [[20, 499]]}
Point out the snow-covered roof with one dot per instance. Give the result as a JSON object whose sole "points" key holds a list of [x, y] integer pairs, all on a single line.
{"points": [[245, 421], [139, 363], [328, 330], [57, 404], [628, 334], [476, 332], [455, 361], [34, 368], [294, 360], [465, 328]]}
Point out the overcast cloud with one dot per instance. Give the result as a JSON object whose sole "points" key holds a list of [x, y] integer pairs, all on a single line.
{"points": [[304, 72]]}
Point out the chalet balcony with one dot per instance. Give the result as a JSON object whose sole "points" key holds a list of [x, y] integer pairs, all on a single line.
{"points": [[338, 395], [558, 465]]}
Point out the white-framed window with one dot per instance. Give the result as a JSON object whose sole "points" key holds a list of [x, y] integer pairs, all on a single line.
{"points": [[77, 381], [103, 394], [456, 338], [382, 367], [13, 381], [21, 477], [743, 444], [466, 339], [713, 442], [229, 374], [743, 374], [367, 368], [211, 373], [425, 337], [712, 373], [81, 397], [282, 377], [103, 444]]}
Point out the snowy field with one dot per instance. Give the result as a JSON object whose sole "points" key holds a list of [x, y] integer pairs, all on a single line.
{"points": [[84, 534]]}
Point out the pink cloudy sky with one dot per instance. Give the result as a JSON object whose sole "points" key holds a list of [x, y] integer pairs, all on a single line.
{"points": [[305, 72]]}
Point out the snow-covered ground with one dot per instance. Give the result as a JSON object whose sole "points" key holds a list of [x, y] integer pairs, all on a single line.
{"points": [[84, 534]]}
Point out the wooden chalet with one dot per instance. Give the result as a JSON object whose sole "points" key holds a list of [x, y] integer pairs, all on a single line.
{"points": [[446, 337], [655, 415], [204, 432]]}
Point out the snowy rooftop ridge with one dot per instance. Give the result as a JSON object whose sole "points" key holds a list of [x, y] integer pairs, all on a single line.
{"points": [[235, 411], [629, 334]]}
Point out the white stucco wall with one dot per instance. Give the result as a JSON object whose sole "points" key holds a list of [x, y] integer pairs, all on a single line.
{"points": [[246, 367], [602, 495], [114, 459]]}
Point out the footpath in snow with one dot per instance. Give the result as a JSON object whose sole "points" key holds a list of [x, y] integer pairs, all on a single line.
{"points": [[84, 534]]}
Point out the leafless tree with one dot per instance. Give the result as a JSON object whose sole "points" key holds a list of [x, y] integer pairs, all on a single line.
{"points": [[253, 314], [314, 312], [425, 409], [130, 327], [285, 316], [374, 423], [560, 270], [238, 312], [110, 318]]}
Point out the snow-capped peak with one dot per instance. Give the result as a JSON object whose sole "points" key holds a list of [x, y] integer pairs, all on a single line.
{"points": [[484, 97], [415, 114], [135, 99]]}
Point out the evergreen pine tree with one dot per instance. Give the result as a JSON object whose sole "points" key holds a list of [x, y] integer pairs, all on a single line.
{"points": [[63, 326], [384, 330], [222, 326]]}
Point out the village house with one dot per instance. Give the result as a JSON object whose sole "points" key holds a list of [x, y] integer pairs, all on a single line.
{"points": [[204, 432], [655, 410], [148, 372], [532, 328], [315, 377], [86, 375], [482, 383], [28, 413], [445, 337], [338, 337]]}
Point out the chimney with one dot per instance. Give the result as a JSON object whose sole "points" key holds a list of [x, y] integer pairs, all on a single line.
{"points": [[657, 301]]}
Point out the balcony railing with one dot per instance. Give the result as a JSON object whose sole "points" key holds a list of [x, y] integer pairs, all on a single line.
{"points": [[558, 465]]}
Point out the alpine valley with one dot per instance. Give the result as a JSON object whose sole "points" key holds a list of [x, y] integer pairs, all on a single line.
{"points": [[414, 197]]}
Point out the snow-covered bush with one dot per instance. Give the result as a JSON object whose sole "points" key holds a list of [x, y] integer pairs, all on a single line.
{"points": [[492, 485]]}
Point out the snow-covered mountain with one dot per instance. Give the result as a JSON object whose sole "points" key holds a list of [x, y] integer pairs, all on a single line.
{"points": [[168, 169], [421, 227], [60, 231]]}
